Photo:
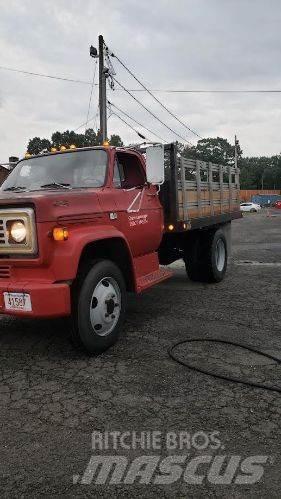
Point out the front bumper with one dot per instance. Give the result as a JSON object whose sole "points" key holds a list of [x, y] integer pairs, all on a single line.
{"points": [[47, 299]]}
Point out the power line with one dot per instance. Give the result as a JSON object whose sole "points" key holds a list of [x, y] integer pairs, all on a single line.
{"points": [[227, 91], [150, 112], [160, 90], [128, 124], [46, 76], [91, 94], [155, 98], [137, 122]]}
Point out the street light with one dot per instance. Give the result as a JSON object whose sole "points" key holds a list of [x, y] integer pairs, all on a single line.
{"points": [[93, 52]]}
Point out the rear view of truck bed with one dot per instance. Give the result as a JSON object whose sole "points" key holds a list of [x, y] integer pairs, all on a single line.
{"points": [[197, 193]]}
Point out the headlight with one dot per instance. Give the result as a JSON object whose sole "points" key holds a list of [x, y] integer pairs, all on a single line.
{"points": [[18, 232]]}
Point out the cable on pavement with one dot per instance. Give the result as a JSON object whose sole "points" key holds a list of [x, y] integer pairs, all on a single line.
{"points": [[174, 357]]}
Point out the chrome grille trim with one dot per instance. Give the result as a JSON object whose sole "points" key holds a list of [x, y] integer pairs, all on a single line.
{"points": [[28, 217]]}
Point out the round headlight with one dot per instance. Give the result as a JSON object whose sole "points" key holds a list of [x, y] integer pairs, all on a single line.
{"points": [[18, 232]]}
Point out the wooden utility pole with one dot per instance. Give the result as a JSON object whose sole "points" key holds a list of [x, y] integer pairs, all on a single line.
{"points": [[102, 91], [236, 153]]}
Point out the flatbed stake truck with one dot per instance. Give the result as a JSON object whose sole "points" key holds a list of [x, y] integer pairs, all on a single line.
{"points": [[80, 228]]}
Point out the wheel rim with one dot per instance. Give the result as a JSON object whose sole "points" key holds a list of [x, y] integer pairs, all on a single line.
{"points": [[220, 255], [105, 306]]}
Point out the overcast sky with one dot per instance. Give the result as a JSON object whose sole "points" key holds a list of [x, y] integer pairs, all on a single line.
{"points": [[179, 44]]}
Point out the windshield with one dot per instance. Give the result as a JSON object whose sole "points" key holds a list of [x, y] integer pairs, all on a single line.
{"points": [[73, 170]]}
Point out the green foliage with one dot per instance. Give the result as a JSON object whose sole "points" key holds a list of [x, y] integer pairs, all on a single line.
{"points": [[255, 172], [69, 137], [37, 145], [116, 141], [217, 150], [260, 172]]}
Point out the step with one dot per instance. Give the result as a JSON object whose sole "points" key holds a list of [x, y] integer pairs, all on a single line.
{"points": [[153, 278]]}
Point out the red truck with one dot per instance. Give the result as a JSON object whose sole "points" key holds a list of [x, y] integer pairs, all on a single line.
{"points": [[81, 227]]}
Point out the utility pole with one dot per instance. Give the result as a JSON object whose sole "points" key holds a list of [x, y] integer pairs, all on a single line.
{"points": [[102, 91], [236, 153]]}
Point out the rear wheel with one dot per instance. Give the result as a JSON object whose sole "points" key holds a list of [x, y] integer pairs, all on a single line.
{"points": [[206, 258], [99, 307]]}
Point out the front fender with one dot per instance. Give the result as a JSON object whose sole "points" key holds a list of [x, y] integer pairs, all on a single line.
{"points": [[66, 254]]}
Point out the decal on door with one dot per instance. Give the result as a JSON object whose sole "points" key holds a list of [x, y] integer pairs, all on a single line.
{"points": [[135, 220]]}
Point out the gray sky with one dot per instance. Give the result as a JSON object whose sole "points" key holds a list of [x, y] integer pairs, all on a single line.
{"points": [[180, 44]]}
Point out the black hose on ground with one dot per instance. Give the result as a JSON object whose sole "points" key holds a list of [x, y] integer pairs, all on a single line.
{"points": [[221, 376]]}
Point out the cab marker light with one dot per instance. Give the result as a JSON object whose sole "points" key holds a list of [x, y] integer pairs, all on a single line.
{"points": [[60, 234]]}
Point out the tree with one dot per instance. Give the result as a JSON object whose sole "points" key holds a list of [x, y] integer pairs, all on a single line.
{"points": [[68, 138], [260, 172], [37, 145], [217, 150], [116, 141]]}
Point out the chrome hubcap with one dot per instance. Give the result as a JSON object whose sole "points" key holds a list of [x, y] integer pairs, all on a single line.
{"points": [[220, 255], [105, 306]]}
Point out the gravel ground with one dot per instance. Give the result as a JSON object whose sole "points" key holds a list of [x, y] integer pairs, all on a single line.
{"points": [[53, 398]]}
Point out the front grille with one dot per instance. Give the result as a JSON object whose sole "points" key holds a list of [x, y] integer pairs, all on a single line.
{"points": [[2, 232], [5, 272]]}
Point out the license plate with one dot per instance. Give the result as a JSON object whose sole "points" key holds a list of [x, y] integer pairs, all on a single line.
{"points": [[17, 301]]}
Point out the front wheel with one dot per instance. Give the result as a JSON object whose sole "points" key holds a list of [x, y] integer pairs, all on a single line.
{"points": [[99, 307]]}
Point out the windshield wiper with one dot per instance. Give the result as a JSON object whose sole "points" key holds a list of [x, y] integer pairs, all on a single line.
{"points": [[15, 188], [56, 184]]}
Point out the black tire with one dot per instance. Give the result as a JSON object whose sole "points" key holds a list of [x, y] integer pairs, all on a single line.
{"points": [[103, 274], [201, 260]]}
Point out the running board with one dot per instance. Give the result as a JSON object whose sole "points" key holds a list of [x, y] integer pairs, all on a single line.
{"points": [[153, 278]]}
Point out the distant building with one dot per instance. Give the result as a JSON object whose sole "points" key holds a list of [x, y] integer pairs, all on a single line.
{"points": [[4, 172], [6, 168]]}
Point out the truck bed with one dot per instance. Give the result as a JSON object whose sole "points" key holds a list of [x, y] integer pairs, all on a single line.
{"points": [[198, 193]]}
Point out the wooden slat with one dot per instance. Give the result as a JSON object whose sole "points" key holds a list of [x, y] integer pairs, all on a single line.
{"points": [[184, 197], [198, 180]]}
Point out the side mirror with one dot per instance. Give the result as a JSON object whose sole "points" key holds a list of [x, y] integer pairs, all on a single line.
{"points": [[155, 165]]}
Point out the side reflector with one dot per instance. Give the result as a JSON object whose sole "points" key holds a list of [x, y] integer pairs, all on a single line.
{"points": [[60, 234]]}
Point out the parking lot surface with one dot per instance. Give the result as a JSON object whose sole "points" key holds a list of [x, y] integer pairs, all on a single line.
{"points": [[53, 397]]}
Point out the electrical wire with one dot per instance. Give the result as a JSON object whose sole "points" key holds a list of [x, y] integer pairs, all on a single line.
{"points": [[46, 76], [155, 98], [91, 94], [221, 376], [150, 112], [161, 90], [137, 122], [128, 124]]}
